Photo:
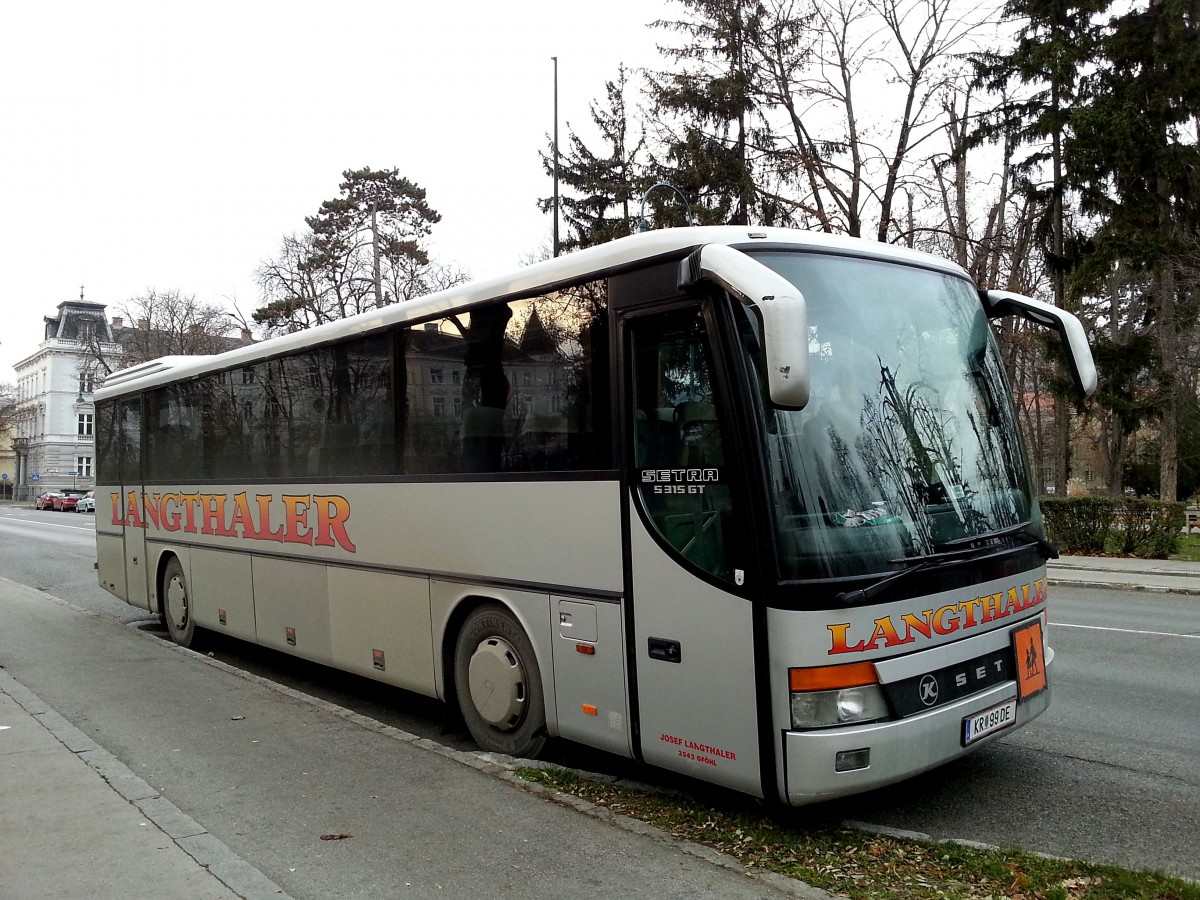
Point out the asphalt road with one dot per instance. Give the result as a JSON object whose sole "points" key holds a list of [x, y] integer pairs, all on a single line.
{"points": [[1109, 774]]}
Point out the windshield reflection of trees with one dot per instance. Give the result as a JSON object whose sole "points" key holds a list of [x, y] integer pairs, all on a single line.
{"points": [[908, 443]]}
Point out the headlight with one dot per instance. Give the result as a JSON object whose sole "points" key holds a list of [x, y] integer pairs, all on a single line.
{"points": [[821, 709], [824, 696]]}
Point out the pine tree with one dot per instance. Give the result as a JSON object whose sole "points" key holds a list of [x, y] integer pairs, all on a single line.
{"points": [[604, 185], [1134, 160], [364, 248], [1038, 81], [380, 214], [708, 113]]}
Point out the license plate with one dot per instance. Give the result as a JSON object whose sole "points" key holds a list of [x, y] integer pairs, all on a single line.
{"points": [[993, 719]]}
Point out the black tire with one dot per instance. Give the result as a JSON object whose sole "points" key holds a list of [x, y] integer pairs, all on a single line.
{"points": [[176, 605], [499, 684]]}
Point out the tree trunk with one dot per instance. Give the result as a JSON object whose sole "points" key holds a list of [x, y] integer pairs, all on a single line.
{"points": [[1168, 341]]}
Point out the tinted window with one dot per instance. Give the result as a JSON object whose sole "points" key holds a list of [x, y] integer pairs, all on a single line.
{"points": [[509, 387], [513, 387], [119, 442]]}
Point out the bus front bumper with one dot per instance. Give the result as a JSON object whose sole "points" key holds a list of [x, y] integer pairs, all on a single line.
{"points": [[895, 750]]}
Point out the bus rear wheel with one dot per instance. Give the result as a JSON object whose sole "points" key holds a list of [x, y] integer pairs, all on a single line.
{"points": [[177, 605], [498, 683]]}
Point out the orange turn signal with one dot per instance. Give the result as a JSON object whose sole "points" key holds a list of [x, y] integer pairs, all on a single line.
{"points": [[830, 678]]}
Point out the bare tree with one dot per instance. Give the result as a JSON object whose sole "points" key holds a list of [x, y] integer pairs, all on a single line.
{"points": [[855, 89], [294, 293], [410, 279], [169, 323], [365, 248], [158, 323], [8, 430], [8, 410]]}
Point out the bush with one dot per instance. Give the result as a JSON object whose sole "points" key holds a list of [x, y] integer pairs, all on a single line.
{"points": [[1127, 526]]}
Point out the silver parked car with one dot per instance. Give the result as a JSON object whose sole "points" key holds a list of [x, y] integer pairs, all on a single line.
{"points": [[87, 503]]}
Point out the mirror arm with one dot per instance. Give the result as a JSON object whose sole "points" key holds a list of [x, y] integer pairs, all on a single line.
{"points": [[779, 306], [1070, 331]]}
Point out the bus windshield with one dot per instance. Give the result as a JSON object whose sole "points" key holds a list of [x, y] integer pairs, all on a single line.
{"points": [[908, 445]]}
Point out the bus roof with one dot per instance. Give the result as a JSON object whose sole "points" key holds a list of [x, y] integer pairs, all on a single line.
{"points": [[545, 275]]}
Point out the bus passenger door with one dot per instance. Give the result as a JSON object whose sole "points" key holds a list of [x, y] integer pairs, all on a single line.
{"points": [[136, 580], [692, 629]]}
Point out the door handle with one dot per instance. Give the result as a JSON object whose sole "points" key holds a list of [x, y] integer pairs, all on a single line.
{"points": [[665, 649]]}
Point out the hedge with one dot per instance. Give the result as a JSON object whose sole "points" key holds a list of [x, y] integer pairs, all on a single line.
{"points": [[1118, 525]]}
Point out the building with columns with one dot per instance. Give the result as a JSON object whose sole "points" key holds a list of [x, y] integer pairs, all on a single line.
{"points": [[54, 434], [54, 426]]}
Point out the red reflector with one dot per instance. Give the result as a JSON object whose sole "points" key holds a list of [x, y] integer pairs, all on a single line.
{"points": [[586, 649], [590, 710]]}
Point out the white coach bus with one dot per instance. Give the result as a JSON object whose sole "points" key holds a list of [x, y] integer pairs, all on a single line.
{"points": [[747, 504]]}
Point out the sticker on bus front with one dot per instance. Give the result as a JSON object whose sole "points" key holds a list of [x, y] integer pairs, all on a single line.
{"points": [[1031, 659]]}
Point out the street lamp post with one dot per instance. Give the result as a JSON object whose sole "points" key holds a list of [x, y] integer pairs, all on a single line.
{"points": [[557, 243]]}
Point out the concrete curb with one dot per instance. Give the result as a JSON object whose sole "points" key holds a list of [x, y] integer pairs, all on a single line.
{"points": [[234, 872], [1123, 586]]}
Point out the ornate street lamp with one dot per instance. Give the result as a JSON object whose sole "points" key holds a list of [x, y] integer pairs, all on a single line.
{"points": [[643, 224]]}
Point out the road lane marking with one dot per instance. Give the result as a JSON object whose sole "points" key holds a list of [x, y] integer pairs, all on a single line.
{"points": [[23, 522], [1193, 637]]}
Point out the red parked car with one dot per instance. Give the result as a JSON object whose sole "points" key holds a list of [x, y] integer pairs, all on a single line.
{"points": [[45, 500], [65, 501]]}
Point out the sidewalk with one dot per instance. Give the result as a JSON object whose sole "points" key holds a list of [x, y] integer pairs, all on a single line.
{"points": [[78, 823], [1160, 575]]}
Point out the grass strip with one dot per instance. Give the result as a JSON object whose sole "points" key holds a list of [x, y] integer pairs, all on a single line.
{"points": [[862, 865]]}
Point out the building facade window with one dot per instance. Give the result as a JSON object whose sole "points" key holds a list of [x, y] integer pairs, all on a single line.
{"points": [[85, 425], [83, 466]]}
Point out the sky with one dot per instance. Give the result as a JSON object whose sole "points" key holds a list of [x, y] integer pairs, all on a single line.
{"points": [[172, 146]]}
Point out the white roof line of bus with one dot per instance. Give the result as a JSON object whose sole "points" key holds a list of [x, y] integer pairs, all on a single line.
{"points": [[553, 271]]}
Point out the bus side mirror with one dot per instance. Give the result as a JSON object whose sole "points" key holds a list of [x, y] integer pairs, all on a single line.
{"points": [[1079, 355], [780, 307]]}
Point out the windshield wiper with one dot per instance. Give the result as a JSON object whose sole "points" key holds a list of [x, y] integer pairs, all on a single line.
{"points": [[918, 564], [1048, 550], [946, 552]]}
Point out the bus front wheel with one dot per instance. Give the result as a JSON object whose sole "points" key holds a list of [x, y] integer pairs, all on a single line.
{"points": [[177, 605], [498, 683]]}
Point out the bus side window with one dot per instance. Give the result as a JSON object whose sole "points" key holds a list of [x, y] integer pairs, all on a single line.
{"points": [[678, 454]]}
